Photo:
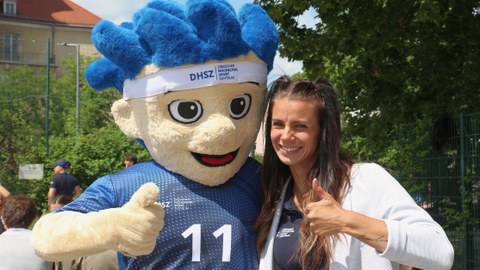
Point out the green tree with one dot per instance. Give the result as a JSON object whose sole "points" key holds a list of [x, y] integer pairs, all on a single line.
{"points": [[94, 105], [393, 62], [96, 154], [20, 116], [22, 110], [98, 150]]}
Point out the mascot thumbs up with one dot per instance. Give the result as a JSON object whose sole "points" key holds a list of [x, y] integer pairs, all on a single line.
{"points": [[193, 81]]}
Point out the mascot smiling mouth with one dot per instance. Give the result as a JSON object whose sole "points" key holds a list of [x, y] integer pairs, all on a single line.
{"points": [[215, 160]]}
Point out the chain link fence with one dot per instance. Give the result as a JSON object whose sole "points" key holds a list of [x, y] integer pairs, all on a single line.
{"points": [[450, 176]]}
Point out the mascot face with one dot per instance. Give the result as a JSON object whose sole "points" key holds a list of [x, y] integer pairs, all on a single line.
{"points": [[193, 82], [203, 134]]}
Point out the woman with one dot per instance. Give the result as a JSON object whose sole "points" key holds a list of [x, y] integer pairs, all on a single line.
{"points": [[322, 210]]}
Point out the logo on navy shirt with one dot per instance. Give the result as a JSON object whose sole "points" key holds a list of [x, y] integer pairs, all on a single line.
{"points": [[182, 203], [285, 232], [165, 204]]}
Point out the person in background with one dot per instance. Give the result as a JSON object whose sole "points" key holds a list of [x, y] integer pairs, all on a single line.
{"points": [[16, 251], [59, 201], [4, 194], [63, 183], [130, 160], [323, 210]]}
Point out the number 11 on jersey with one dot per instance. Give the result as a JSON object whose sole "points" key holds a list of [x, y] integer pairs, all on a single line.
{"points": [[196, 232]]}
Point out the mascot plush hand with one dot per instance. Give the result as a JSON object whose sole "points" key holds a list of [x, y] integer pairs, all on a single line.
{"points": [[193, 84]]}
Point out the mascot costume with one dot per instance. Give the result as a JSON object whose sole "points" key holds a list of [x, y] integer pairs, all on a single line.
{"points": [[193, 81]]}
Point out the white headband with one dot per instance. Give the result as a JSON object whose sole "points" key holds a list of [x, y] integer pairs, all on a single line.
{"points": [[195, 77]]}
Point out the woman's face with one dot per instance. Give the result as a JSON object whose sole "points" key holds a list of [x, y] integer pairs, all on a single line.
{"points": [[295, 132]]}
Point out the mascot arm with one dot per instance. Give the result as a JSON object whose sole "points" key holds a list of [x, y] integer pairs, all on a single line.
{"points": [[132, 229]]}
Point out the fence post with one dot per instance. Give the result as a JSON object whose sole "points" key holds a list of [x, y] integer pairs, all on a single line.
{"points": [[467, 237]]}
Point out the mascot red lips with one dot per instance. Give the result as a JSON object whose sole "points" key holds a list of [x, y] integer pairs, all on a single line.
{"points": [[215, 160]]}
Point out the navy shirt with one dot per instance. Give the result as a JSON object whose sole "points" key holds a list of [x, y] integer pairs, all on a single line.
{"points": [[286, 249], [64, 184]]}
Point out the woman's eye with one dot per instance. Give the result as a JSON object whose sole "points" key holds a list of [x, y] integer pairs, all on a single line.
{"points": [[185, 111], [276, 124], [239, 106]]}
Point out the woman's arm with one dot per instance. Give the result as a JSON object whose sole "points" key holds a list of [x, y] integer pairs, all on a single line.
{"points": [[4, 192], [384, 217], [414, 238]]}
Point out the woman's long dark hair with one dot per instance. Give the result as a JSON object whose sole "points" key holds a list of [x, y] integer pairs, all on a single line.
{"points": [[331, 167]]}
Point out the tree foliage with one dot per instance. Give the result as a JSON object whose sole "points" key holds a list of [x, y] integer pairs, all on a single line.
{"points": [[97, 150], [394, 63]]}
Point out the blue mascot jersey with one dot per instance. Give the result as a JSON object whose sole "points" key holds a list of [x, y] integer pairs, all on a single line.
{"points": [[205, 227]]}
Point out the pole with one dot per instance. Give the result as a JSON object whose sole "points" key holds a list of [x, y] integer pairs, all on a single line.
{"points": [[78, 89], [77, 115], [47, 105]]}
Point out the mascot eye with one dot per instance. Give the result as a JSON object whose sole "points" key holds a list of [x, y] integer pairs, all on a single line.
{"points": [[185, 111], [239, 106]]}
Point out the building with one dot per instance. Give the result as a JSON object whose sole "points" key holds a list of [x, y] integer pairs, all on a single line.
{"points": [[32, 30]]}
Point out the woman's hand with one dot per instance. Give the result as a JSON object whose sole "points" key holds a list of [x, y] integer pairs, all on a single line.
{"points": [[327, 217]]}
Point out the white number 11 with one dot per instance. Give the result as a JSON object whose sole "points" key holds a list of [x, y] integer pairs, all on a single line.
{"points": [[196, 232]]}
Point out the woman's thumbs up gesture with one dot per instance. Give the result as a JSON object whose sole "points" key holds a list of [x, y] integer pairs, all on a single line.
{"points": [[326, 216]]}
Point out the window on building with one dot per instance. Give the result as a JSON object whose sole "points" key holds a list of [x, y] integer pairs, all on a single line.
{"points": [[10, 7], [11, 47]]}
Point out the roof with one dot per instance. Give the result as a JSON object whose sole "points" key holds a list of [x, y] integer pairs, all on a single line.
{"points": [[57, 11]]}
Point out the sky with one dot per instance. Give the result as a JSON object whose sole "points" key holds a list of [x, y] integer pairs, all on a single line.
{"points": [[119, 11]]}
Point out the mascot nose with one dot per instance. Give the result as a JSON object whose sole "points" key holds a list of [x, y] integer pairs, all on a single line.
{"points": [[218, 131]]}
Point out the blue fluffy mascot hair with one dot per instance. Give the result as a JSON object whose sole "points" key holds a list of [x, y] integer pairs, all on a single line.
{"points": [[168, 35]]}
